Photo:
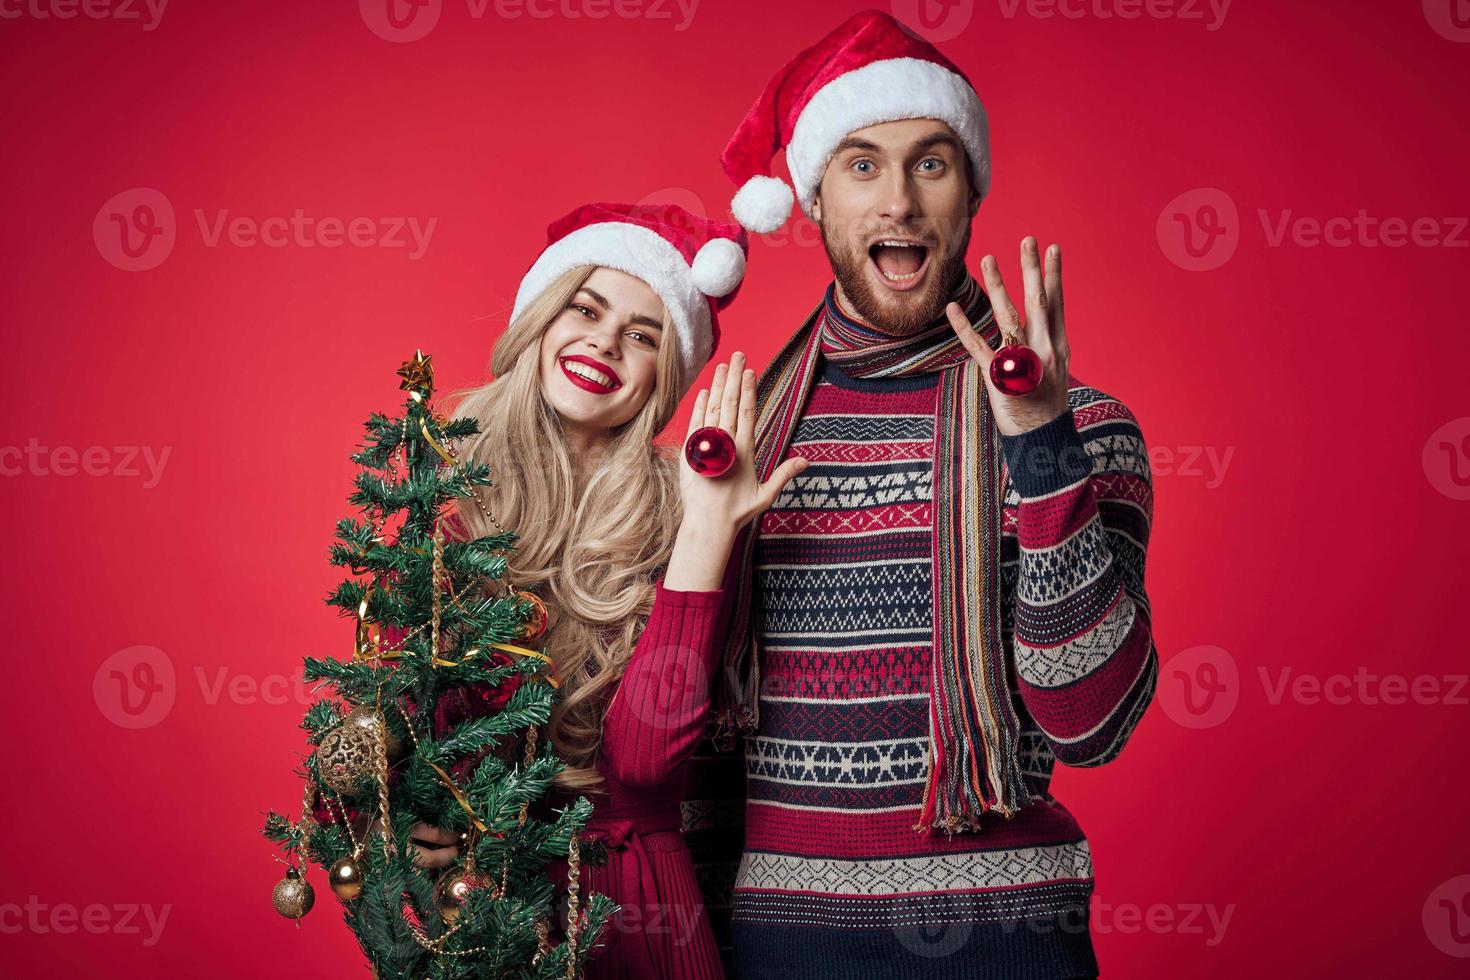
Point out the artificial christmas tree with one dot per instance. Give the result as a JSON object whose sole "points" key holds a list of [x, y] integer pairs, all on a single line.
{"points": [[436, 720]]}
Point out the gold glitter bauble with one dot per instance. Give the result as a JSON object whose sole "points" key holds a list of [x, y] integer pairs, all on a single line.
{"points": [[348, 754], [292, 895], [346, 879], [454, 890], [365, 718]]}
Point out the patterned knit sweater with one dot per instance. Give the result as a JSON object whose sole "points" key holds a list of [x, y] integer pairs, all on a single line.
{"points": [[833, 881]]}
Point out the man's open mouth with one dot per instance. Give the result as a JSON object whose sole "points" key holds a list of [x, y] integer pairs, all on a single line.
{"points": [[900, 261]]}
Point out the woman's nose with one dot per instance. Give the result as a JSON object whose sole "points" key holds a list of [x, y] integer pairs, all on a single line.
{"points": [[605, 341]]}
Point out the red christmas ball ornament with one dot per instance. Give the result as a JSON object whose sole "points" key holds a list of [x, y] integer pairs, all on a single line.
{"points": [[710, 451], [466, 702], [1015, 369]]}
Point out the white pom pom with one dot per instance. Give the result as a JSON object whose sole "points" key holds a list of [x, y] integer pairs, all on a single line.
{"points": [[763, 204], [718, 267]]}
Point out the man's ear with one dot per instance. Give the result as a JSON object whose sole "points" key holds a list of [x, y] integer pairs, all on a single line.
{"points": [[817, 209], [974, 201]]}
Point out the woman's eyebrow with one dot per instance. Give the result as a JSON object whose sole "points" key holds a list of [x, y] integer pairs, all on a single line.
{"points": [[598, 297], [638, 318]]}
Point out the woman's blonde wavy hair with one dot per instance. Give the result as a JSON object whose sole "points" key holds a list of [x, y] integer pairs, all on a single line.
{"points": [[592, 540]]}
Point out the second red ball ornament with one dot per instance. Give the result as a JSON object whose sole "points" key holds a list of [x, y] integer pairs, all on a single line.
{"points": [[710, 451], [1015, 369]]}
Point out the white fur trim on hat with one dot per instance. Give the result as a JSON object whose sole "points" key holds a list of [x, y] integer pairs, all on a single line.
{"points": [[639, 252], [762, 204], [885, 91], [718, 267]]}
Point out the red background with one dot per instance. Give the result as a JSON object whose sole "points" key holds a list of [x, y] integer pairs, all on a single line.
{"points": [[1327, 546]]}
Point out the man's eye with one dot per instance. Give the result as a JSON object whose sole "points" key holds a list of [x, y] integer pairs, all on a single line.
{"points": [[863, 166], [931, 165]]}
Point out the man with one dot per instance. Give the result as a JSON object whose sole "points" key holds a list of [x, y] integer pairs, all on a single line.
{"points": [[950, 598]]}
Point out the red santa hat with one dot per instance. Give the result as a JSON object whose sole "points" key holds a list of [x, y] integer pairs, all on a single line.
{"points": [[693, 264], [870, 70]]}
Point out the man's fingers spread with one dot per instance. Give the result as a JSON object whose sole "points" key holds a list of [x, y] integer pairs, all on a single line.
{"points": [[969, 336], [1006, 316], [1031, 277], [1054, 296], [957, 318]]}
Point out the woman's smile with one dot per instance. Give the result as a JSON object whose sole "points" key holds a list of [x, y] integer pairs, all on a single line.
{"points": [[590, 375]]}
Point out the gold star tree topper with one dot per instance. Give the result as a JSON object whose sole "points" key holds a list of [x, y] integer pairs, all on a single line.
{"points": [[417, 374]]}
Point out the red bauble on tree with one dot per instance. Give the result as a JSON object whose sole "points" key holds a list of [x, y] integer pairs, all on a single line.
{"points": [[457, 705]]}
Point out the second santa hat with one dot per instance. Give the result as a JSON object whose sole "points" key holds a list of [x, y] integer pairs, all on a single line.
{"points": [[870, 70]]}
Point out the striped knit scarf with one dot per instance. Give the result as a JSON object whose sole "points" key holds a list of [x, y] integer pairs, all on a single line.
{"points": [[972, 766]]}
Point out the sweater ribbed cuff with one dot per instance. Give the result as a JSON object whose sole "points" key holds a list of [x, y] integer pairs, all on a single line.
{"points": [[1047, 458], [687, 599]]}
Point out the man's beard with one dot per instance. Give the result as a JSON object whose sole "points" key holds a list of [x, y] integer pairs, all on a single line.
{"points": [[903, 313]]}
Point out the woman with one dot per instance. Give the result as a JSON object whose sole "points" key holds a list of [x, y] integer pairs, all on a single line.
{"points": [[624, 542]]}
